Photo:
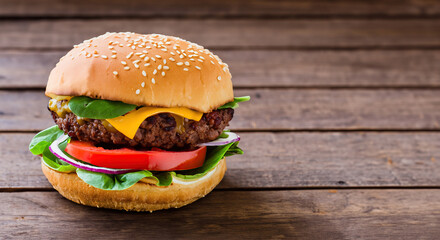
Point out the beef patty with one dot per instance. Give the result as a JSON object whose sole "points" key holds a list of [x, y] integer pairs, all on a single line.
{"points": [[156, 131]]}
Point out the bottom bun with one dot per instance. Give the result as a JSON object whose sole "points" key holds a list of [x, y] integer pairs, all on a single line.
{"points": [[142, 196]]}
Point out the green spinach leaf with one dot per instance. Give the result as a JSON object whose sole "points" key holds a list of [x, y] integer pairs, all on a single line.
{"points": [[55, 163], [234, 104], [112, 181], [43, 139], [213, 157], [98, 109]]}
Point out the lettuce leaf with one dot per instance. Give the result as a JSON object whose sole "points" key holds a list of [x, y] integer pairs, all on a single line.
{"points": [[234, 104], [213, 157], [55, 163], [112, 181], [98, 109], [43, 139], [41, 142]]}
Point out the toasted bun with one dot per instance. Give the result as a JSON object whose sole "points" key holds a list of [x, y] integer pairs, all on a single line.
{"points": [[143, 196], [148, 70]]}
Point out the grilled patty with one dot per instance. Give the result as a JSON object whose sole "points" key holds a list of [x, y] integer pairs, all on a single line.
{"points": [[156, 131]]}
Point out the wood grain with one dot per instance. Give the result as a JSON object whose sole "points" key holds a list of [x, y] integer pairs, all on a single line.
{"points": [[234, 33], [323, 214], [278, 109], [286, 160], [260, 68], [212, 8]]}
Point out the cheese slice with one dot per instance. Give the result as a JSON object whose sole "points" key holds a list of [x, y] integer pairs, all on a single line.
{"points": [[129, 123]]}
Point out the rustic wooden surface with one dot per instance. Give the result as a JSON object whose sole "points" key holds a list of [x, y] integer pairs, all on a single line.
{"points": [[353, 159], [276, 68], [232, 33], [306, 214], [279, 109], [341, 138]]}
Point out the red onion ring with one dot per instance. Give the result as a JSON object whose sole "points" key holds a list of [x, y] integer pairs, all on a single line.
{"points": [[55, 149], [232, 137]]}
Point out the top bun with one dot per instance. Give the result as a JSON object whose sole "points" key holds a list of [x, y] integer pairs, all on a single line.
{"points": [[146, 70]]}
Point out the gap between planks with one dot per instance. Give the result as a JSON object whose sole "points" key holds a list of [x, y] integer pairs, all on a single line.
{"points": [[308, 188]]}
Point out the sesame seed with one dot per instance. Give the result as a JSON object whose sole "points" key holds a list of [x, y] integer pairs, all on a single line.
{"points": [[159, 67], [166, 67], [113, 51], [192, 59], [146, 64], [201, 57], [127, 68], [174, 47], [136, 61], [178, 51], [185, 69], [225, 68], [153, 81], [198, 67], [146, 59], [95, 55], [187, 63], [124, 63], [129, 55], [158, 56], [172, 53], [179, 63], [144, 73], [136, 65], [142, 56], [212, 62], [113, 56], [181, 56], [104, 56], [152, 58], [172, 59], [121, 45], [164, 61], [138, 91], [155, 71], [148, 47], [143, 84], [110, 43], [164, 49], [95, 52], [111, 47], [219, 78], [145, 51], [138, 53], [163, 74]]}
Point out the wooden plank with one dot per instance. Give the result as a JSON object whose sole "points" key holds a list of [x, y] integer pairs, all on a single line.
{"points": [[233, 33], [293, 160], [323, 214], [212, 8], [260, 68], [279, 109]]}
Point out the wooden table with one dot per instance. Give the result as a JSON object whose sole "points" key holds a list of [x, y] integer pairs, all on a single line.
{"points": [[341, 138]]}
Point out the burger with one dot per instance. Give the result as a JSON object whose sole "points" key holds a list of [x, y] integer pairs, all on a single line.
{"points": [[139, 122]]}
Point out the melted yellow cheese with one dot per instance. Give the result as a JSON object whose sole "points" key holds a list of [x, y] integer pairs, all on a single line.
{"points": [[130, 122]]}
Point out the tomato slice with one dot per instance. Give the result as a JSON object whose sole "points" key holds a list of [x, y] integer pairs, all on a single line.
{"points": [[125, 158]]}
